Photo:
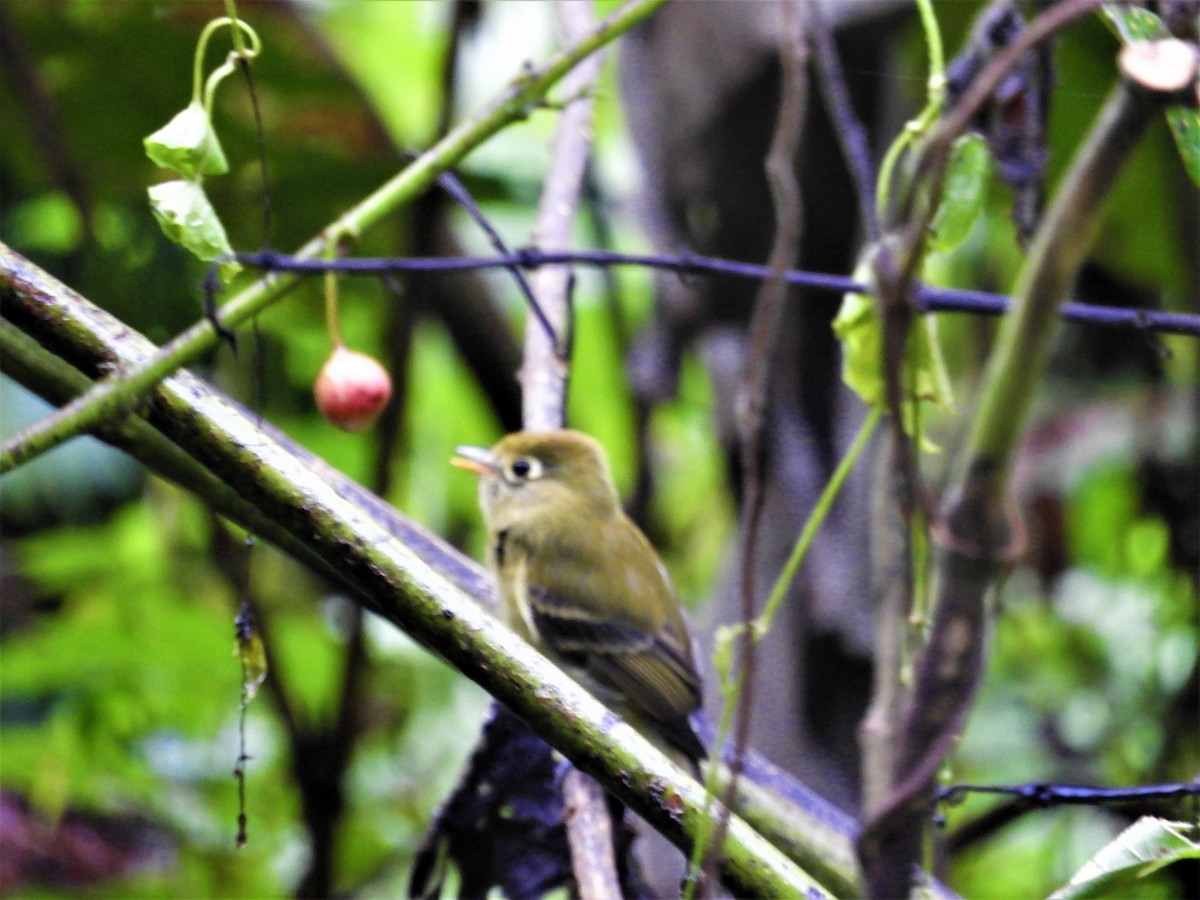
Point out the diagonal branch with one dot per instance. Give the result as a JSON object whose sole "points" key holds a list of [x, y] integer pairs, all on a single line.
{"points": [[386, 566]]}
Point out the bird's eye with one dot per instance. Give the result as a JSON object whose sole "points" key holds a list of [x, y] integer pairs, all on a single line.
{"points": [[525, 469]]}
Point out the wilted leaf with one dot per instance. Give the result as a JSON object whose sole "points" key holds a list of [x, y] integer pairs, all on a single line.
{"points": [[253, 656]]}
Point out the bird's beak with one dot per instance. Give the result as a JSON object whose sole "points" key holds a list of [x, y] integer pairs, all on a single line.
{"points": [[476, 459]]}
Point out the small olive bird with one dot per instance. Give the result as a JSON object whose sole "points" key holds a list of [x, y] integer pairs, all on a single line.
{"points": [[581, 582]]}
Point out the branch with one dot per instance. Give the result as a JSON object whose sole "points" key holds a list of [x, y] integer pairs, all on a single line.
{"points": [[752, 397], [544, 370], [976, 534], [396, 571], [543, 377], [115, 395]]}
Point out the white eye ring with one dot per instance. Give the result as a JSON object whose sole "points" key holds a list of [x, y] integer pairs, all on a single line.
{"points": [[524, 468]]}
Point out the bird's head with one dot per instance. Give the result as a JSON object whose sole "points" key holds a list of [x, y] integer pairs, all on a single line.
{"points": [[530, 474]]}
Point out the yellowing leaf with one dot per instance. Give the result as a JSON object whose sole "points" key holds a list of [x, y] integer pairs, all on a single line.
{"points": [[253, 656]]}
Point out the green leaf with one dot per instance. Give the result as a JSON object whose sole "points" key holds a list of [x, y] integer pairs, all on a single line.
{"points": [[1132, 23], [187, 218], [1185, 126], [860, 329], [964, 194], [1144, 847], [188, 144]]}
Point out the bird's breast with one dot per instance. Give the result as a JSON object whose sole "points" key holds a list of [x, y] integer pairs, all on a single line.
{"points": [[513, 576]]}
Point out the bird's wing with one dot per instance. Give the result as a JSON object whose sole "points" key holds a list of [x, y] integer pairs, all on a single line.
{"points": [[632, 641]]}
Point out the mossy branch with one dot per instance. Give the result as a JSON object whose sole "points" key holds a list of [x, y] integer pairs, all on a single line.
{"points": [[387, 569]]}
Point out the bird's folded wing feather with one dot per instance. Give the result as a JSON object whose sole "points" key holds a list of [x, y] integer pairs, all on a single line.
{"points": [[625, 642]]}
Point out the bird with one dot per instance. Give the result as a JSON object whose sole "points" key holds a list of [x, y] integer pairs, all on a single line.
{"points": [[580, 581]]}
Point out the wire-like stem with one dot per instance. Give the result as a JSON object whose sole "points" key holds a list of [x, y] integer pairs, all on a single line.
{"points": [[927, 298], [455, 188], [753, 390]]}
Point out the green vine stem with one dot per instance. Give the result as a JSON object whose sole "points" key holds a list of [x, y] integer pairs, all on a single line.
{"points": [[717, 776], [109, 397], [203, 90], [1027, 334], [333, 322], [239, 45], [935, 100]]}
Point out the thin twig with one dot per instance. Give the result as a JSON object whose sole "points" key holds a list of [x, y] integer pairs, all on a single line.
{"points": [[544, 371], [590, 835], [456, 189], [764, 329], [851, 136], [543, 376]]}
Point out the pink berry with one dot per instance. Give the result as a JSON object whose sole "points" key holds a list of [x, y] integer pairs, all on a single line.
{"points": [[352, 389]]}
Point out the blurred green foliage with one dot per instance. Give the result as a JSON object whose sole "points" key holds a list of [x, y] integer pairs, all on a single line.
{"points": [[119, 689]]}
